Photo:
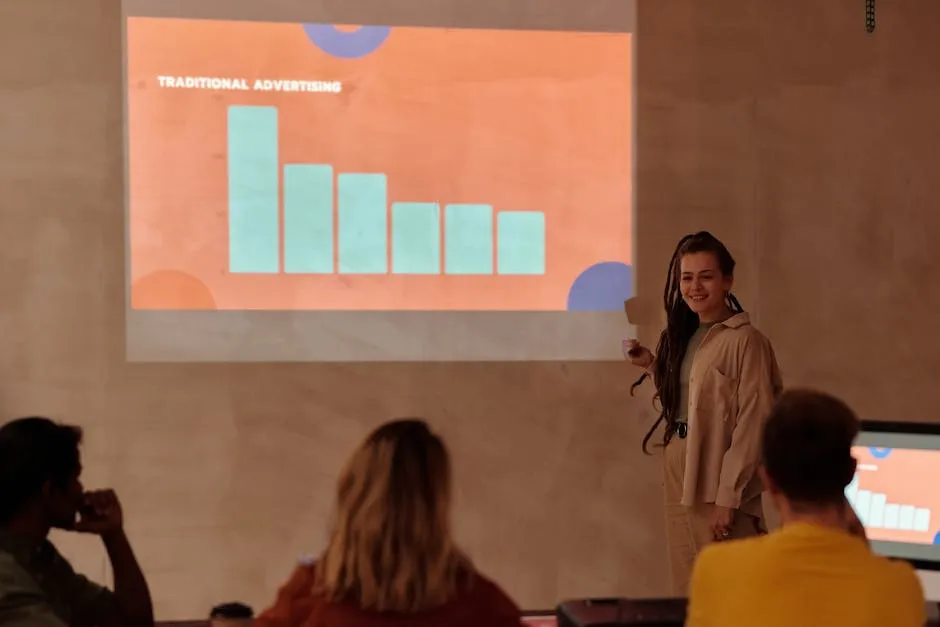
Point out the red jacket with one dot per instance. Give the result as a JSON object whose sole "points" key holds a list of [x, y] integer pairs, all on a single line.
{"points": [[483, 604]]}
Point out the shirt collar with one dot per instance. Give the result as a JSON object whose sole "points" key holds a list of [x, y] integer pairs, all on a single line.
{"points": [[736, 321]]}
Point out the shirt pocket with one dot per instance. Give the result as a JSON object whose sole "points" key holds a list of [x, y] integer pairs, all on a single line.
{"points": [[716, 395]]}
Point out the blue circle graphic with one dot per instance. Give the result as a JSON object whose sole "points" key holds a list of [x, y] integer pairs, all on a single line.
{"points": [[602, 287], [347, 44], [879, 453], [936, 539]]}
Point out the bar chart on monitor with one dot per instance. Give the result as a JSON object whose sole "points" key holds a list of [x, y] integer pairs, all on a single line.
{"points": [[892, 497], [876, 512], [344, 222]]}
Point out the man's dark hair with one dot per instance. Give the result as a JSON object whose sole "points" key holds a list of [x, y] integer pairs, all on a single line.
{"points": [[33, 451], [807, 445], [232, 611]]}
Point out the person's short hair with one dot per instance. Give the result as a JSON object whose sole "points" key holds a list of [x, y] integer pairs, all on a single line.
{"points": [[34, 451], [232, 611], [807, 446]]}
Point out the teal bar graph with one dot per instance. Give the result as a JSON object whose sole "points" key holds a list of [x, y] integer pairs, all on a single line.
{"points": [[356, 240], [416, 238], [308, 219], [363, 224], [520, 246], [253, 194], [468, 239]]}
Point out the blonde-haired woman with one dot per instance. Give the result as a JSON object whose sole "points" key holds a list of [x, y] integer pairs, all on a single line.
{"points": [[391, 558]]}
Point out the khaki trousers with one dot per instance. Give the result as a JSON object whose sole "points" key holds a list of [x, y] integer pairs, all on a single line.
{"points": [[688, 529]]}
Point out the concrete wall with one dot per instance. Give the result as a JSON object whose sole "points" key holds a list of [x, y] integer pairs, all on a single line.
{"points": [[781, 126]]}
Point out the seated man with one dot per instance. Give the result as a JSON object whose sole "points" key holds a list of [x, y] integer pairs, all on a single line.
{"points": [[40, 490], [817, 569]]}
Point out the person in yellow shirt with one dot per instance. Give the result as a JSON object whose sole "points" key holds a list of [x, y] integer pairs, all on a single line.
{"points": [[817, 569]]}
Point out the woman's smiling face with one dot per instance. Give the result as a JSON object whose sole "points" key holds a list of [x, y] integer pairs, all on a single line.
{"points": [[703, 286]]}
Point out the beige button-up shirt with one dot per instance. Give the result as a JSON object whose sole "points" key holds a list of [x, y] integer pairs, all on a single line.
{"points": [[733, 384]]}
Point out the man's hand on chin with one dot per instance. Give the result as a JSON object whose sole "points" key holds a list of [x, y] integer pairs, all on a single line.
{"points": [[101, 514]]}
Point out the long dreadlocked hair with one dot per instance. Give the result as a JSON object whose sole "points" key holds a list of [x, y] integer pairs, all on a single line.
{"points": [[681, 324]]}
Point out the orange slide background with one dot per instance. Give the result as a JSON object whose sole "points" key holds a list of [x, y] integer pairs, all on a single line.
{"points": [[520, 120], [907, 477]]}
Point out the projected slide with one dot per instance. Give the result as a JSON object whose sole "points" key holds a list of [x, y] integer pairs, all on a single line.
{"points": [[404, 181], [895, 496], [314, 167]]}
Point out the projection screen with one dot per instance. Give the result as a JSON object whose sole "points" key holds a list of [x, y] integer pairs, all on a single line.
{"points": [[381, 180]]}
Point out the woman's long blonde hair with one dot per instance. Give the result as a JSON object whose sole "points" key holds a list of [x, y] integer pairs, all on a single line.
{"points": [[391, 547]]}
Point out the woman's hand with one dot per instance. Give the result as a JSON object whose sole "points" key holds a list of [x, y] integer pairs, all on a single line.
{"points": [[637, 354], [722, 521]]}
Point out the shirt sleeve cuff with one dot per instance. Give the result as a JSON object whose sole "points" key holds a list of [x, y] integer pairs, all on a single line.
{"points": [[729, 499]]}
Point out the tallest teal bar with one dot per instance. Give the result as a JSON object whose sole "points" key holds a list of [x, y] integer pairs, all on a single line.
{"points": [[253, 200]]}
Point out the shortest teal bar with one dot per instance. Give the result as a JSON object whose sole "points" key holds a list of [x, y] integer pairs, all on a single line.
{"points": [[468, 239], [520, 245], [416, 238]]}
